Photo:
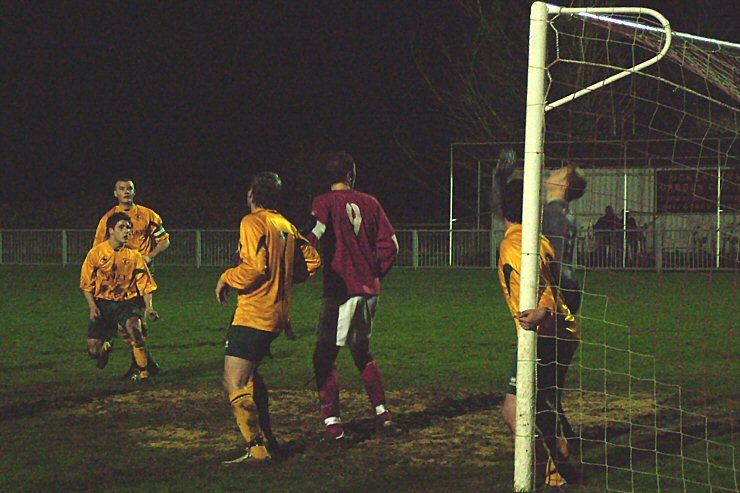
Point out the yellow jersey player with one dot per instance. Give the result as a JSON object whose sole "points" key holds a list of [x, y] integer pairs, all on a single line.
{"points": [[118, 288], [557, 341], [273, 256], [148, 237]]}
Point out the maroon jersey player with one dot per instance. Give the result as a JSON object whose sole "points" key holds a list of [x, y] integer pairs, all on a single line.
{"points": [[358, 247]]}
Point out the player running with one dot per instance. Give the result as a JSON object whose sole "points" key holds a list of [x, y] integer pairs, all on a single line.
{"points": [[359, 246], [118, 288], [148, 237]]}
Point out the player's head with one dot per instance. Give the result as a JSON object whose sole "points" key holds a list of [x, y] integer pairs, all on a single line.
{"points": [[341, 168], [609, 211], [118, 226], [511, 200], [566, 183], [124, 191], [264, 190]]}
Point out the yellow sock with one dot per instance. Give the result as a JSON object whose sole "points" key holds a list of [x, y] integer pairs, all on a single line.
{"points": [[552, 476], [140, 356], [247, 418]]}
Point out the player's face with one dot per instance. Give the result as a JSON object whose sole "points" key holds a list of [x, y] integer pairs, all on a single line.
{"points": [[557, 179], [124, 192], [121, 232]]}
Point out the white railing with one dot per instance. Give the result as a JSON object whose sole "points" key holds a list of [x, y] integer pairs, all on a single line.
{"points": [[674, 249]]}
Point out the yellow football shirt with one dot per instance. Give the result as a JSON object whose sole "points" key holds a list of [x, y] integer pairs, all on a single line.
{"points": [[115, 275], [147, 228], [509, 269], [264, 278]]}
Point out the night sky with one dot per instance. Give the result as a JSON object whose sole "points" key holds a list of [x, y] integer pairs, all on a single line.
{"points": [[193, 98]]}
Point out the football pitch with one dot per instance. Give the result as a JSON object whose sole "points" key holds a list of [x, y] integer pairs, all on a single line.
{"points": [[444, 340]]}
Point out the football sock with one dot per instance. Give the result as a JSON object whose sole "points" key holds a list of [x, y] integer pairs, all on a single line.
{"points": [[247, 418], [140, 356], [373, 381], [334, 428], [329, 395], [262, 401]]}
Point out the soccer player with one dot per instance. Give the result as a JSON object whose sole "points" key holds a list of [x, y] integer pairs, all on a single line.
{"points": [[273, 255], [359, 246], [148, 237], [118, 288], [557, 340], [562, 186]]}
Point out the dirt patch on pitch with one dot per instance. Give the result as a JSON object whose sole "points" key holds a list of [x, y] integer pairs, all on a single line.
{"points": [[451, 431]]}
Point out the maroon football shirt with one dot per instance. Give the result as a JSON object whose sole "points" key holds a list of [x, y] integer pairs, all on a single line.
{"points": [[358, 243]]}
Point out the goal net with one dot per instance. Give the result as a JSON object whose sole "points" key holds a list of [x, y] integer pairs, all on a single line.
{"points": [[652, 393]]}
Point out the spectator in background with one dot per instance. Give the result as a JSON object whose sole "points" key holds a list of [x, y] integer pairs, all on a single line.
{"points": [[634, 238], [606, 232]]}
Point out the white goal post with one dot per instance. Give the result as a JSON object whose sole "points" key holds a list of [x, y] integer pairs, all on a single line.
{"points": [[612, 74], [536, 108]]}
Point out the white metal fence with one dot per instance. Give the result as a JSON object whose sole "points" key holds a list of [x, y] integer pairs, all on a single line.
{"points": [[676, 249]]}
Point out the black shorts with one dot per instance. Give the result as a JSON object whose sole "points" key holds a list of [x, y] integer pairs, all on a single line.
{"points": [[554, 356], [112, 315], [249, 343]]}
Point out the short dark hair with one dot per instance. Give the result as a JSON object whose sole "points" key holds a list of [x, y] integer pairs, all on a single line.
{"points": [[576, 186], [266, 187], [338, 165], [122, 179], [511, 200], [115, 219]]}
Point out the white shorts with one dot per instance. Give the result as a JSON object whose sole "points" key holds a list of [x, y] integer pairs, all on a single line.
{"points": [[347, 321]]}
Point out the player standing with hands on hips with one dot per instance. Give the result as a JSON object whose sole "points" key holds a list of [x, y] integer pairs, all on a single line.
{"points": [[358, 247]]}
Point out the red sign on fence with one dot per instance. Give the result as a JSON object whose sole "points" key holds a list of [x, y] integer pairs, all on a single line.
{"points": [[696, 190]]}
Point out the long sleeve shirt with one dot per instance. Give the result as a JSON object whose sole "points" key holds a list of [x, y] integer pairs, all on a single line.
{"points": [[115, 275], [268, 248]]}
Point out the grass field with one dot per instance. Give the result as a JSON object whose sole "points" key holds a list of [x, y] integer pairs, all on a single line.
{"points": [[444, 340]]}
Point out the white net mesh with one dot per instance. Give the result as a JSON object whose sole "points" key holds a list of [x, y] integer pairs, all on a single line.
{"points": [[652, 392]]}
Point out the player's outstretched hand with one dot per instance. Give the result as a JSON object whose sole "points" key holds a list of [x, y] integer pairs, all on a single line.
{"points": [[506, 163], [151, 314], [222, 292]]}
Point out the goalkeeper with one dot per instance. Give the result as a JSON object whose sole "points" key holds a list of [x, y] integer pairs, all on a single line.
{"points": [[557, 340], [562, 187]]}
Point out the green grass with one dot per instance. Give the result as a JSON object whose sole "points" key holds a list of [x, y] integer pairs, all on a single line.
{"points": [[444, 340]]}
